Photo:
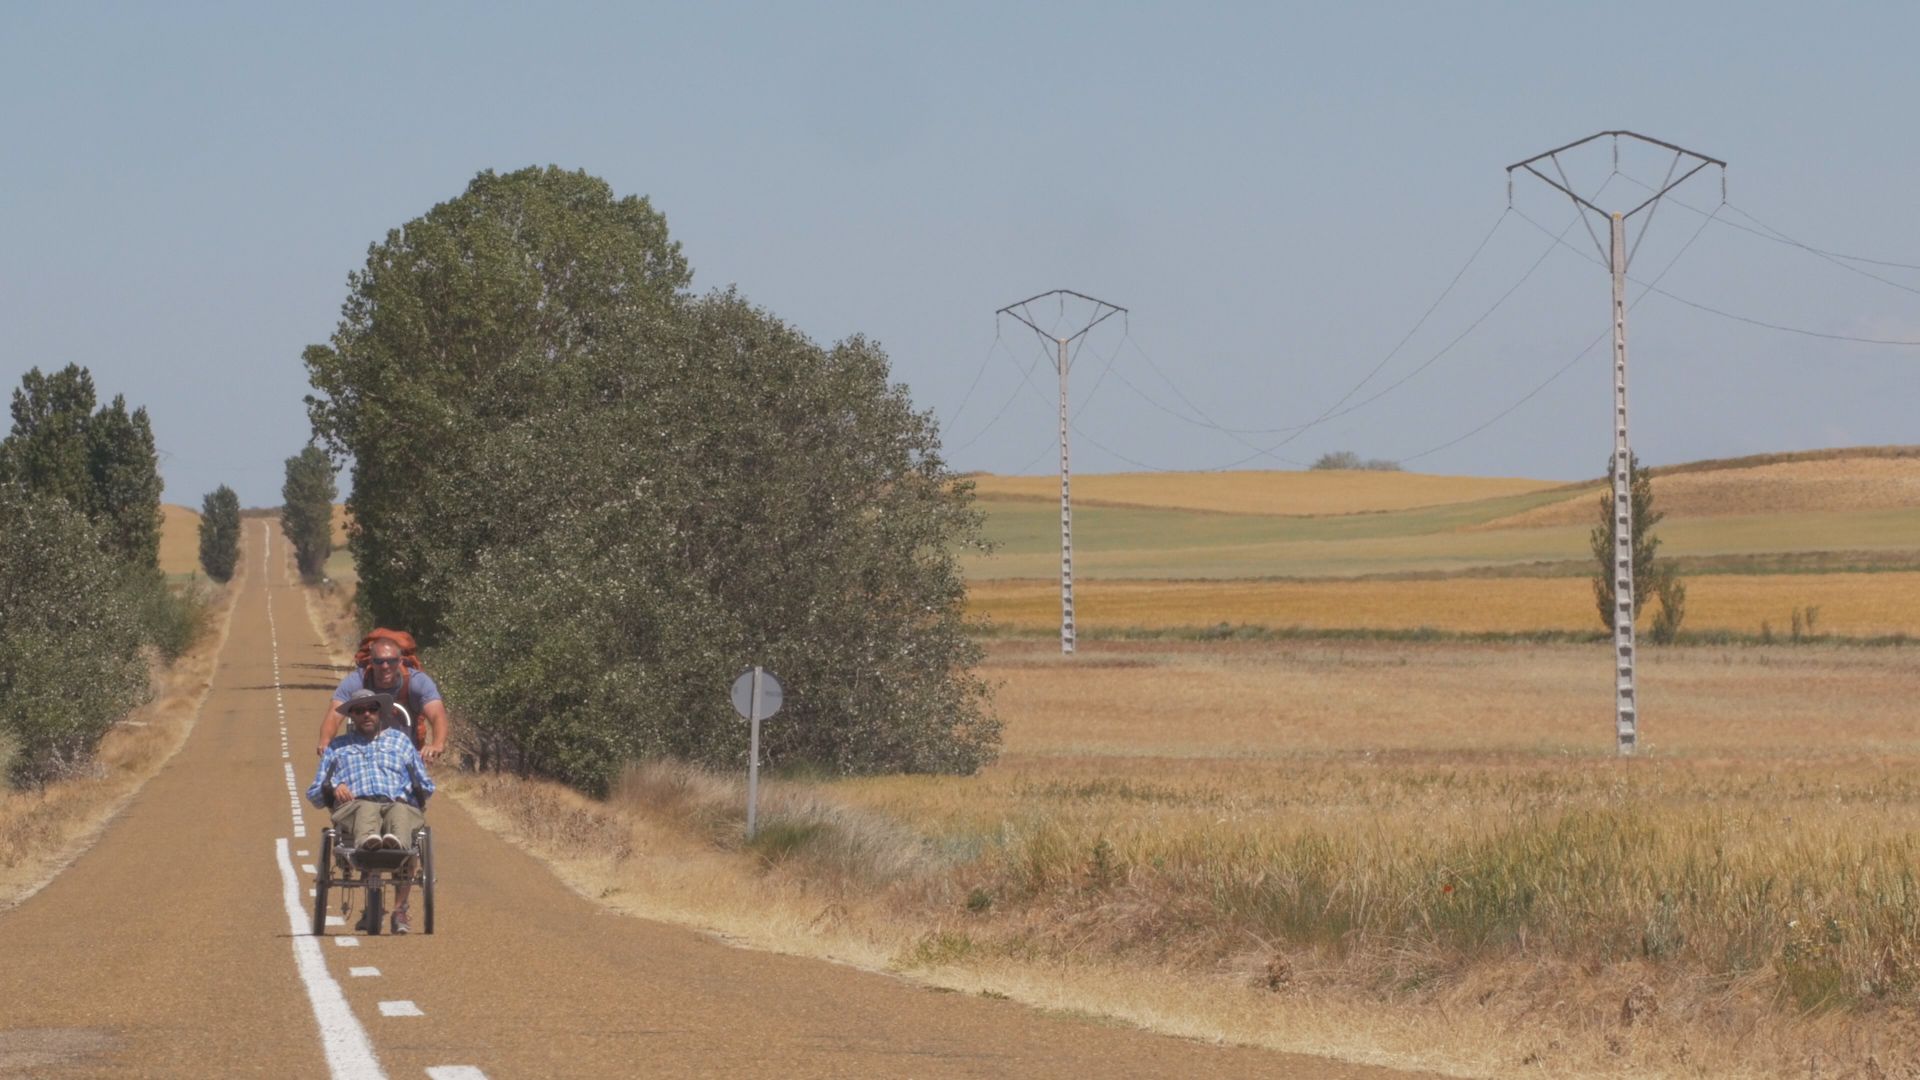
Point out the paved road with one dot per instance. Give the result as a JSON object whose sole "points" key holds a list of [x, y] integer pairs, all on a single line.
{"points": [[177, 947]]}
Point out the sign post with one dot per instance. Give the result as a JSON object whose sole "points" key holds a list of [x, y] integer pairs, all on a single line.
{"points": [[756, 696]]}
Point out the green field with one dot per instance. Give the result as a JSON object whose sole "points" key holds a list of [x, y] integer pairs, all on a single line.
{"points": [[1141, 543]]}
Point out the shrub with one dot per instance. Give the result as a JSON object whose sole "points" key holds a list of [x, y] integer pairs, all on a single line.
{"points": [[70, 638]]}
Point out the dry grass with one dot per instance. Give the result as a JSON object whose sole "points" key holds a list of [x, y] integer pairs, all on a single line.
{"points": [[1843, 484], [179, 540], [42, 831], [1291, 493], [1853, 605], [1410, 854]]}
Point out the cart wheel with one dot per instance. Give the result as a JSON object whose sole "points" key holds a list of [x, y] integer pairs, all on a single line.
{"points": [[426, 878], [373, 905], [323, 877]]}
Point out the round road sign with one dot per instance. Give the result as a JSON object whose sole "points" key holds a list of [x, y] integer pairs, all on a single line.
{"points": [[770, 694]]}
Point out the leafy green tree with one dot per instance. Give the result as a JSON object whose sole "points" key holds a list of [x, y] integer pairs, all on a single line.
{"points": [[462, 321], [743, 496], [102, 463], [47, 449], [599, 498], [123, 473], [306, 510], [220, 533], [1652, 576], [70, 638]]}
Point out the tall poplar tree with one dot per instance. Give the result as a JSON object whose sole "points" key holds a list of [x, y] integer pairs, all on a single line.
{"points": [[306, 510], [1652, 576], [220, 533]]}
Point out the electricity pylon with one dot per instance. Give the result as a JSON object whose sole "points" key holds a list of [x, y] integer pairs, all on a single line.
{"points": [[1618, 256], [1102, 311]]}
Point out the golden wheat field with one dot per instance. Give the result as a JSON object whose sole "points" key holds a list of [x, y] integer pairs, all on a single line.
{"points": [[1441, 835], [1845, 484], [1853, 605], [179, 540], [1254, 492]]}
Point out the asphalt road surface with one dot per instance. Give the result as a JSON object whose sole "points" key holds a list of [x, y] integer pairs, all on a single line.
{"points": [[178, 946]]}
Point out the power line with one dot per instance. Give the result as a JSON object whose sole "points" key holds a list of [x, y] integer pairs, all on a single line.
{"points": [[1566, 367], [971, 387], [1773, 235], [1004, 406], [1333, 414], [1735, 316]]}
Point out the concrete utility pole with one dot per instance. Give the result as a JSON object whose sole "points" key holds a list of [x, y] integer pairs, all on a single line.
{"points": [[1102, 311], [1618, 256]]}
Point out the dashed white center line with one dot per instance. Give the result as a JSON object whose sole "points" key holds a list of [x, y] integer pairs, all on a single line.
{"points": [[400, 1008], [346, 942], [454, 1072], [348, 1051], [308, 868], [364, 972]]}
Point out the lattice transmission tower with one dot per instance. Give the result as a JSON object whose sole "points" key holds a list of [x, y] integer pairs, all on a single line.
{"points": [[1063, 362], [1618, 256]]}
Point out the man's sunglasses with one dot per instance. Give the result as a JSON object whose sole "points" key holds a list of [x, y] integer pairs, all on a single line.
{"points": [[363, 711], [383, 661]]}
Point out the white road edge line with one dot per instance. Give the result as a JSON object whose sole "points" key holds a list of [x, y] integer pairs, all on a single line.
{"points": [[349, 1053]]}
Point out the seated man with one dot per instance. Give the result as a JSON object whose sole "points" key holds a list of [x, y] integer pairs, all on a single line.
{"points": [[377, 785]]}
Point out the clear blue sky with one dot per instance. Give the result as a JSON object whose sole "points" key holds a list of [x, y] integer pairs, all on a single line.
{"points": [[1276, 191]]}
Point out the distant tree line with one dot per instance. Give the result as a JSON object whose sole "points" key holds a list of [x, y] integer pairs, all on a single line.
{"points": [[597, 496], [81, 593], [1347, 459]]}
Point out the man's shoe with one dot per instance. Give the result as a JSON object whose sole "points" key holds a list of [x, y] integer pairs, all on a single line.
{"points": [[365, 925], [390, 842], [370, 842], [398, 924]]}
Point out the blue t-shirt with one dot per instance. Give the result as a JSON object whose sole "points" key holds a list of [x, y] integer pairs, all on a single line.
{"points": [[421, 692]]}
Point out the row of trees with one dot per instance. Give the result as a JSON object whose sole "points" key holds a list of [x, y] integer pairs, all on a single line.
{"points": [[597, 497], [81, 593]]}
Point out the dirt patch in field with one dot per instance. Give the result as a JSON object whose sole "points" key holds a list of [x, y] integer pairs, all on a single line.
{"points": [[1790, 487], [179, 540]]}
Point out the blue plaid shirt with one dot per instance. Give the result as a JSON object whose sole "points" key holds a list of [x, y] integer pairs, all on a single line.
{"points": [[386, 764]]}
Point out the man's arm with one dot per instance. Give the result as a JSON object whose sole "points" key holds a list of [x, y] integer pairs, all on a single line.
{"points": [[315, 791], [329, 726], [416, 768], [434, 715]]}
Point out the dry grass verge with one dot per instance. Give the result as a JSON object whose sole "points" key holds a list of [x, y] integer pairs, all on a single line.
{"points": [[41, 832]]}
